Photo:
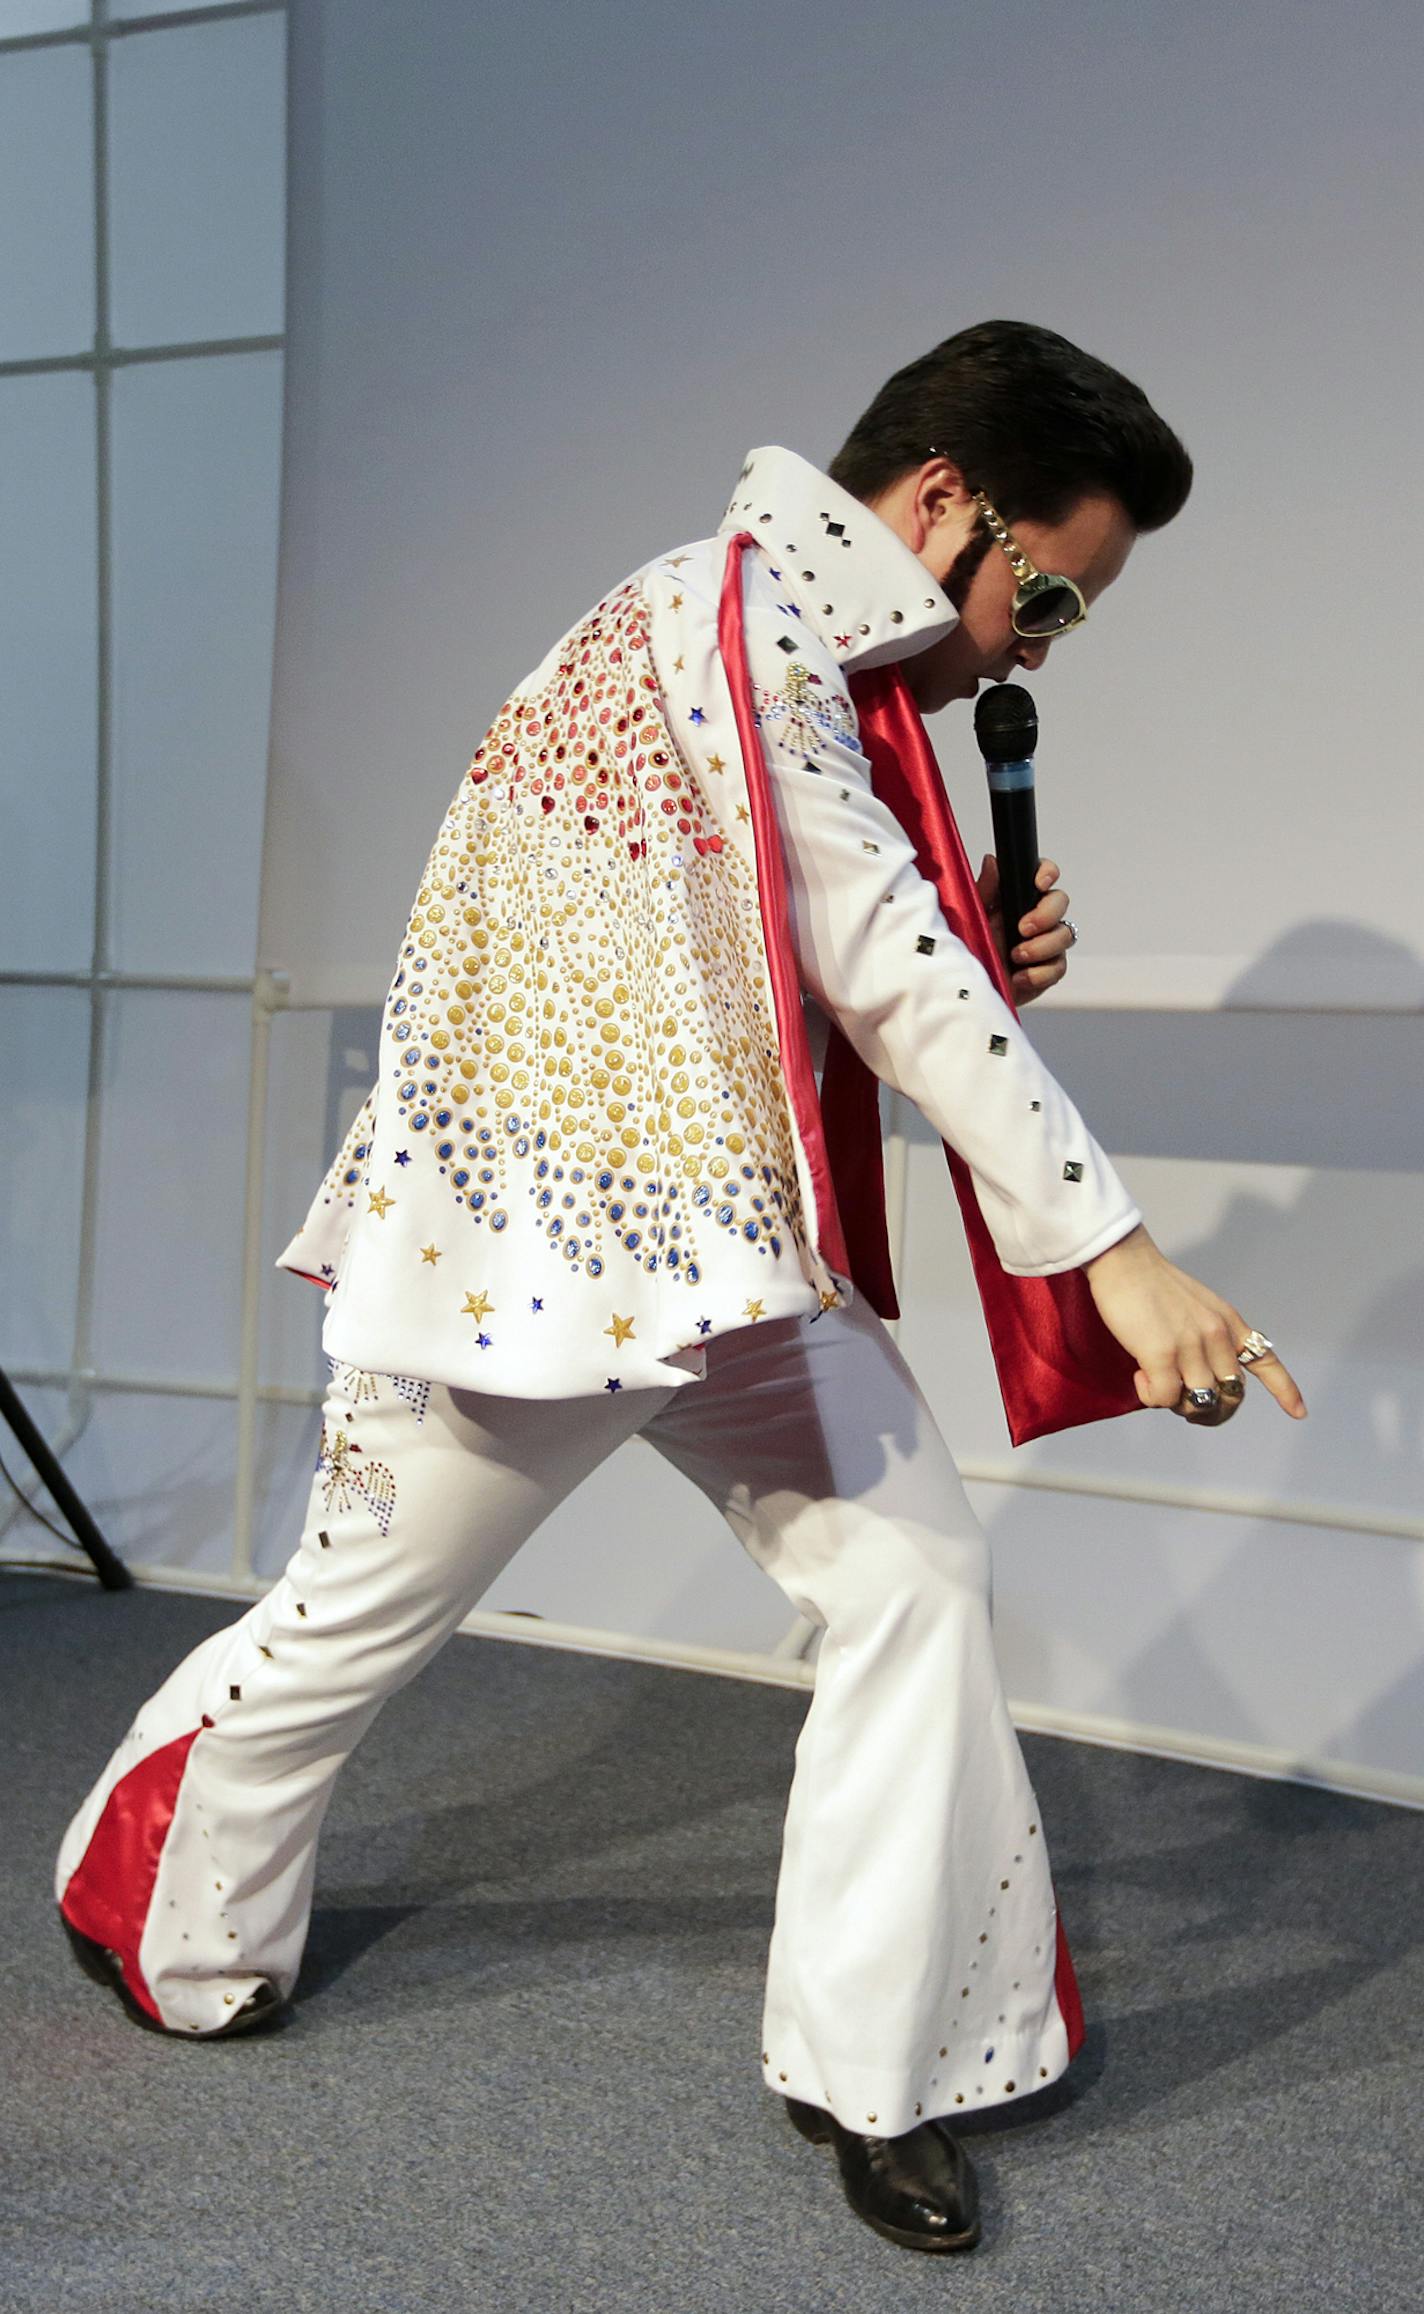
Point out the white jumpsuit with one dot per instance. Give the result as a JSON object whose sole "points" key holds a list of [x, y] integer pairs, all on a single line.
{"points": [[917, 1965]]}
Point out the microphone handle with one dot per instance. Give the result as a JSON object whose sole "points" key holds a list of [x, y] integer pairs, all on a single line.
{"points": [[1011, 798]]}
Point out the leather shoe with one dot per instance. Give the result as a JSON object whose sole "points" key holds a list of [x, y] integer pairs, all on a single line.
{"points": [[106, 1968], [917, 2189]]}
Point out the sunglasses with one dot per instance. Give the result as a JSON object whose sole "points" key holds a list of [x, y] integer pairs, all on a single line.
{"points": [[1044, 603]]}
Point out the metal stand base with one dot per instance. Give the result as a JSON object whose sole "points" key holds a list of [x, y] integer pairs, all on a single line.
{"points": [[111, 1571]]}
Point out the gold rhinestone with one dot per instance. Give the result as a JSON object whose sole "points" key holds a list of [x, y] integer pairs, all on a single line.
{"points": [[1008, 2085], [944, 2052], [1003, 1884], [766, 2056], [228, 1999], [919, 2109], [781, 2076], [1043, 2072], [959, 2097], [870, 2116], [232, 1936]]}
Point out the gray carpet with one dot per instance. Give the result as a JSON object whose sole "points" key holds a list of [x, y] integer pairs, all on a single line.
{"points": [[522, 2070]]}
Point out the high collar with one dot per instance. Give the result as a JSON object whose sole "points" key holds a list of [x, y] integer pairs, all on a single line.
{"points": [[860, 589]]}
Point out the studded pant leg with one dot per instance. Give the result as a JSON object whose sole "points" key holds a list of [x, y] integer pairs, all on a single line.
{"points": [[193, 1855], [916, 1965]]}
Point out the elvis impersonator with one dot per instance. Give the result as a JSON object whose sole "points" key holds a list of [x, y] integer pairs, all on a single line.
{"points": [[598, 1191]]}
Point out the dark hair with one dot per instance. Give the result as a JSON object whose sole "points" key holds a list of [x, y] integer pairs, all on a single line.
{"points": [[1030, 419]]}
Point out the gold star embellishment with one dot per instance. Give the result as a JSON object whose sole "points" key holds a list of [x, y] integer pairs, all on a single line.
{"points": [[715, 763], [742, 812], [477, 1306], [675, 562], [830, 1301], [620, 1329], [754, 1310], [677, 666], [430, 1253], [380, 1203], [674, 605]]}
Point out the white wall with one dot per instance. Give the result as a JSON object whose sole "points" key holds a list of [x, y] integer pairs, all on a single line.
{"points": [[538, 306]]}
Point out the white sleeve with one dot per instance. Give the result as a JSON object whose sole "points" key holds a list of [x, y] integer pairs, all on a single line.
{"points": [[876, 953]]}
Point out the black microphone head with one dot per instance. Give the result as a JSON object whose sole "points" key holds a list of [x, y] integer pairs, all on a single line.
{"points": [[1005, 723]]}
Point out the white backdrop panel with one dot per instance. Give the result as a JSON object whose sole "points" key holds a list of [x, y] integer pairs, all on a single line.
{"points": [[553, 269], [18, 17], [1290, 1639], [49, 690], [47, 201], [195, 570], [168, 1253], [197, 123], [44, 1067]]}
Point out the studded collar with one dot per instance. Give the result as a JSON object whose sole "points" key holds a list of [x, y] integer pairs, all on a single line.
{"points": [[864, 593]]}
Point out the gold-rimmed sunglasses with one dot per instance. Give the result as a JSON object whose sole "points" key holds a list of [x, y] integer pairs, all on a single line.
{"points": [[1045, 603]]}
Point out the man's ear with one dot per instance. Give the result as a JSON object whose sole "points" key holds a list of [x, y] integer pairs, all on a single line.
{"points": [[942, 490]]}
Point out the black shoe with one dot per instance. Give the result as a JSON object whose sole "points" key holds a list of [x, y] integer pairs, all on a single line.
{"points": [[106, 1968], [918, 2189]]}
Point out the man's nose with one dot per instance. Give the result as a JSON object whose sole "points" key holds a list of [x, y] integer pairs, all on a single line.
{"points": [[1031, 653]]}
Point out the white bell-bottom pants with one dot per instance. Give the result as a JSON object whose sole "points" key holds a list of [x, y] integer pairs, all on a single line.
{"points": [[916, 1965]]}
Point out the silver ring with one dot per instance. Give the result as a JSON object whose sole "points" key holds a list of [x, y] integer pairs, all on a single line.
{"points": [[1255, 1346], [1073, 929]]}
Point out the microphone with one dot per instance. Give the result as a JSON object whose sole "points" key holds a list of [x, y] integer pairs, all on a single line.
{"points": [[1006, 727]]}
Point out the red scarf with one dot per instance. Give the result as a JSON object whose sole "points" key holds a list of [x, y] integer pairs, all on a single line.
{"points": [[1058, 1364]]}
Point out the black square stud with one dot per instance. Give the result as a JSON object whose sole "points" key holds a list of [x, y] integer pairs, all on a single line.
{"points": [[1072, 1172], [998, 1044], [787, 643], [925, 946]]}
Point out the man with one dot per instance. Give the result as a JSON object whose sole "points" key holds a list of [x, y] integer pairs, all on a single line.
{"points": [[589, 1198]]}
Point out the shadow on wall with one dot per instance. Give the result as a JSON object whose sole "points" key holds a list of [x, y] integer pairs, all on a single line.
{"points": [[1284, 1086], [1367, 968]]}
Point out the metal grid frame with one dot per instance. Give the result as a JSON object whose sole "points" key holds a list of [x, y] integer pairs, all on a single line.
{"points": [[81, 1378]]}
